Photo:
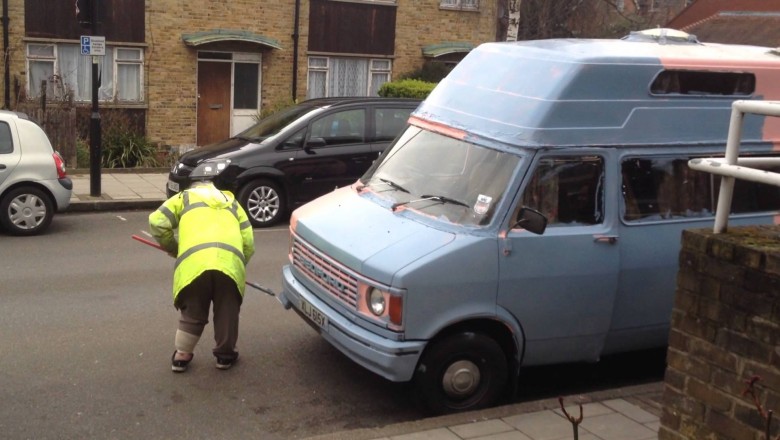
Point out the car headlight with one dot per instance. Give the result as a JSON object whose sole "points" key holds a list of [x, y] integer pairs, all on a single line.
{"points": [[376, 302], [210, 168]]}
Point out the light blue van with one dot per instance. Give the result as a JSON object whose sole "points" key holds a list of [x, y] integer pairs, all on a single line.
{"points": [[436, 266]]}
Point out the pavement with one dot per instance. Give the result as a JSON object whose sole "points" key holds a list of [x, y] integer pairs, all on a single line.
{"points": [[626, 413]]}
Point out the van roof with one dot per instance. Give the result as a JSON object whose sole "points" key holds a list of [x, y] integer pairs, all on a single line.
{"points": [[568, 92]]}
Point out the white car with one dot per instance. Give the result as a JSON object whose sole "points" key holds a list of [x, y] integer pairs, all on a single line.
{"points": [[33, 181]]}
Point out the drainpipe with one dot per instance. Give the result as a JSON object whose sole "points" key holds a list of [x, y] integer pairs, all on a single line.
{"points": [[6, 58], [295, 36]]}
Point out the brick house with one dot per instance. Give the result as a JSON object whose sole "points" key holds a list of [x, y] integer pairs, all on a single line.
{"points": [[199, 70], [755, 22]]}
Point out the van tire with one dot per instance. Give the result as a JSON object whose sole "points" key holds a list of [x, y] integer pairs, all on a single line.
{"points": [[462, 372], [263, 202], [26, 210]]}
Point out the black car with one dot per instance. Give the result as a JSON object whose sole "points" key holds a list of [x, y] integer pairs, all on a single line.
{"points": [[297, 154]]}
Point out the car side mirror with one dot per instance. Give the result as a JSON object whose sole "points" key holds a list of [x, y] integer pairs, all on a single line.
{"points": [[531, 220], [315, 142]]}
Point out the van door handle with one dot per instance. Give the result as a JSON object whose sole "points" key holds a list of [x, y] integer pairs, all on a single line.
{"points": [[610, 239]]}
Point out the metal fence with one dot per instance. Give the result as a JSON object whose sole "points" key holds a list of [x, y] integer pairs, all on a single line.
{"points": [[732, 167]]}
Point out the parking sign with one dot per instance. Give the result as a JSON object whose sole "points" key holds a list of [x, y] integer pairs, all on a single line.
{"points": [[93, 45]]}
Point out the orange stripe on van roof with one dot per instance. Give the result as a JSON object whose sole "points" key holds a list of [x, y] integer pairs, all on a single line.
{"points": [[437, 128]]}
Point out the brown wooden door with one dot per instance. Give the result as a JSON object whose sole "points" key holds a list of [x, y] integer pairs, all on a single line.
{"points": [[213, 102]]}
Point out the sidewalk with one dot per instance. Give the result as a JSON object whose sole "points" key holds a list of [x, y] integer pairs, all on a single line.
{"points": [[120, 190], [630, 413]]}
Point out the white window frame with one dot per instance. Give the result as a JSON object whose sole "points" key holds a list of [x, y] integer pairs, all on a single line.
{"points": [[376, 67], [460, 5], [56, 89]]}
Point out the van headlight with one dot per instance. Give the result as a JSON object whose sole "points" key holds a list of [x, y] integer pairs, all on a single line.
{"points": [[376, 301]]}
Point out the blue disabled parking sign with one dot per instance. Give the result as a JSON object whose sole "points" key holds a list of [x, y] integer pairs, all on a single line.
{"points": [[93, 45]]}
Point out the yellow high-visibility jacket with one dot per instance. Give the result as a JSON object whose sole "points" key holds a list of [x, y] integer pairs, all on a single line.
{"points": [[214, 233]]}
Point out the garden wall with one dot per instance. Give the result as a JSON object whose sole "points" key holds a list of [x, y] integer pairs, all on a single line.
{"points": [[725, 327]]}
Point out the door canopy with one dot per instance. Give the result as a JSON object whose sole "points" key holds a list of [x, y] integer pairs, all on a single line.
{"points": [[227, 35]]}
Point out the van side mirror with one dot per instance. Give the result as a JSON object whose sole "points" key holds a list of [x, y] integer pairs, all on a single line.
{"points": [[315, 142], [531, 220]]}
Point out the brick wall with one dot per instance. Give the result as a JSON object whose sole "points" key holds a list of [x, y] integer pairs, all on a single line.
{"points": [[725, 327], [422, 22], [170, 76]]}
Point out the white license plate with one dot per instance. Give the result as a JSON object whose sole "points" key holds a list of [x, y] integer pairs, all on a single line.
{"points": [[313, 314], [173, 186]]}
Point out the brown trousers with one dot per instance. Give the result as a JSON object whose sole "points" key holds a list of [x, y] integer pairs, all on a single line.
{"points": [[194, 302]]}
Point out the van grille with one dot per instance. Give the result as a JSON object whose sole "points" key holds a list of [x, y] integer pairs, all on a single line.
{"points": [[331, 276]]}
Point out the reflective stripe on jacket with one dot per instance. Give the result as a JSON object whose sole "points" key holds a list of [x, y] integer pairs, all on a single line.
{"points": [[214, 234]]}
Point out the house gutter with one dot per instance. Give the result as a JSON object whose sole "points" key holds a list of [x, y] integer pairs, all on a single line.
{"points": [[295, 37], [7, 62]]}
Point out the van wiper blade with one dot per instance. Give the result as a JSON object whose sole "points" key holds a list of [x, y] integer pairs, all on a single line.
{"points": [[444, 199], [393, 184], [427, 197], [389, 183]]}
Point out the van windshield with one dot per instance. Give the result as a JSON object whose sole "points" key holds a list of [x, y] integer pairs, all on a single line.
{"points": [[445, 178]]}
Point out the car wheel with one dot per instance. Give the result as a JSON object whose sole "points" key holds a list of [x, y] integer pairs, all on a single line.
{"points": [[26, 211], [263, 202], [462, 372]]}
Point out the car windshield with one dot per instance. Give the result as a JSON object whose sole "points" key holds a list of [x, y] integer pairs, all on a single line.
{"points": [[449, 179], [274, 123]]}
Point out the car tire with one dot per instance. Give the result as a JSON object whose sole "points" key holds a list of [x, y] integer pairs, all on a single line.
{"points": [[462, 372], [26, 210], [263, 202]]}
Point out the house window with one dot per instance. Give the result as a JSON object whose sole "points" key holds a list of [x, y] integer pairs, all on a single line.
{"points": [[69, 74], [335, 76], [470, 5]]}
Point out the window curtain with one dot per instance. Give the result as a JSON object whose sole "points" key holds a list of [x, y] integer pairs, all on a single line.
{"points": [[349, 77], [76, 73]]}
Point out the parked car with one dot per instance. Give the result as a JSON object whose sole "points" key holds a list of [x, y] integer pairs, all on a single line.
{"points": [[33, 181], [297, 154]]}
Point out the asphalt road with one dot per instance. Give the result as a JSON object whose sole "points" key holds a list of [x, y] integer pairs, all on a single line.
{"points": [[87, 335]]}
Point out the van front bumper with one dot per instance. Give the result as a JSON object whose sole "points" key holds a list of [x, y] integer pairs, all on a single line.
{"points": [[393, 360]]}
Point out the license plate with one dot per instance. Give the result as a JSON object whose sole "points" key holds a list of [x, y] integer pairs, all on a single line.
{"points": [[173, 186], [312, 313]]}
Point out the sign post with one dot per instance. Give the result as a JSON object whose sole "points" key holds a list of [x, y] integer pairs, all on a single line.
{"points": [[94, 46]]}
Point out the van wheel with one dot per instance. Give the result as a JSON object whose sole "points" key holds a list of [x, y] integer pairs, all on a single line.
{"points": [[463, 372], [263, 202], [26, 211]]}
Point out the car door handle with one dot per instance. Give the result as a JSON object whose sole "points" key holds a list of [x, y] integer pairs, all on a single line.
{"points": [[609, 239], [2, 167]]}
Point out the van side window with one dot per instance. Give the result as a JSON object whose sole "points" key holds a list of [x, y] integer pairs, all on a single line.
{"points": [[666, 188], [347, 127], [568, 190], [689, 82], [6, 142]]}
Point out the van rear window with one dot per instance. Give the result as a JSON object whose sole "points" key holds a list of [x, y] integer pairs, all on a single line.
{"points": [[666, 188], [689, 82]]}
